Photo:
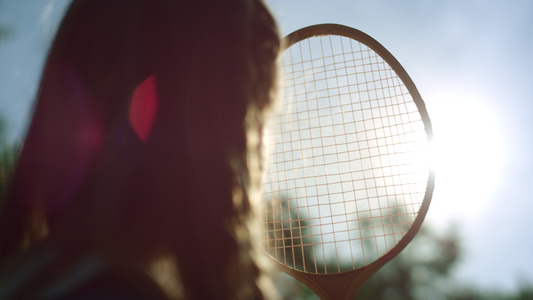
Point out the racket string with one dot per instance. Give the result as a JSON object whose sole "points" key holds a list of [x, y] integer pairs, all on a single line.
{"points": [[339, 165]]}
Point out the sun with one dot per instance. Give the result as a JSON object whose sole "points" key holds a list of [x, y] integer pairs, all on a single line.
{"points": [[469, 154]]}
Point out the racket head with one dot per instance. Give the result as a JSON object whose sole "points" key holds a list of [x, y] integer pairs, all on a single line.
{"points": [[349, 180]]}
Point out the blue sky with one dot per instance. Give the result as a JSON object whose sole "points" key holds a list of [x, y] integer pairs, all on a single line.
{"points": [[471, 61]]}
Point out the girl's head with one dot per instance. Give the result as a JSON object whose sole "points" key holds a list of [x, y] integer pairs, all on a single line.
{"points": [[145, 139]]}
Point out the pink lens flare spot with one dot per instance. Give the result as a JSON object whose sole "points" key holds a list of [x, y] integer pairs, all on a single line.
{"points": [[143, 107]]}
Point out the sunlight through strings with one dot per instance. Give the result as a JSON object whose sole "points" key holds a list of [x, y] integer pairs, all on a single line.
{"points": [[349, 162]]}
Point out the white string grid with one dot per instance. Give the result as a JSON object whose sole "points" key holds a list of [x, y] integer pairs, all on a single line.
{"points": [[348, 164]]}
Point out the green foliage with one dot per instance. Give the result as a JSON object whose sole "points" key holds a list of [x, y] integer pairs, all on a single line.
{"points": [[305, 240], [4, 31], [7, 152], [8, 157], [423, 270], [7, 165], [524, 292], [290, 239]]}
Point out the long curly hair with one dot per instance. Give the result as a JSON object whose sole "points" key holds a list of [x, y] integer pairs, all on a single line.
{"points": [[144, 152]]}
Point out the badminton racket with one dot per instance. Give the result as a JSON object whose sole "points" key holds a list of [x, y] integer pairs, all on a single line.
{"points": [[349, 181]]}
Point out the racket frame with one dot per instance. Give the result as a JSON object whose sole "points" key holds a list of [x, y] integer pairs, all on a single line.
{"points": [[344, 285]]}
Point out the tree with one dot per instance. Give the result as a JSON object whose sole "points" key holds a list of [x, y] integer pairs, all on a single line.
{"points": [[421, 271], [8, 156], [7, 153], [4, 31]]}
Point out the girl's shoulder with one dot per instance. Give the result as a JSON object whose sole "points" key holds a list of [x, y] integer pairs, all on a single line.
{"points": [[39, 274]]}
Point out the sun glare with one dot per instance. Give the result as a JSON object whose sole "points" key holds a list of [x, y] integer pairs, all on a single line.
{"points": [[469, 155]]}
